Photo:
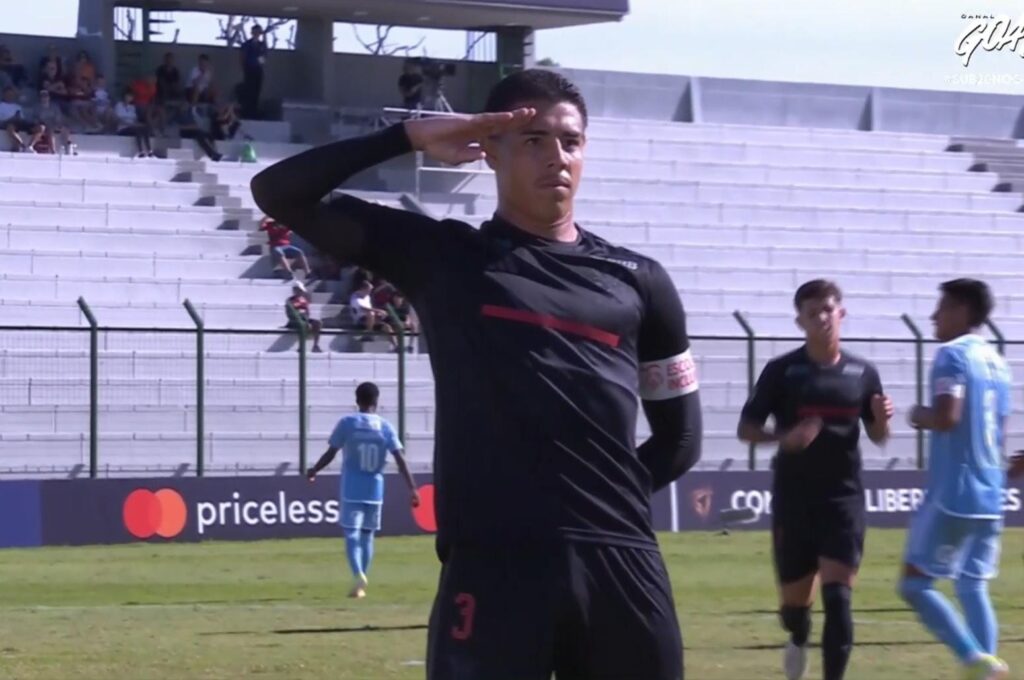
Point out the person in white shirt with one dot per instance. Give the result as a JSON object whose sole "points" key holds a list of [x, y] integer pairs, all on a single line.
{"points": [[363, 314], [128, 124], [200, 83], [12, 119]]}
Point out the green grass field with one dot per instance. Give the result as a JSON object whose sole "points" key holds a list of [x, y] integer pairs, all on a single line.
{"points": [[277, 609]]}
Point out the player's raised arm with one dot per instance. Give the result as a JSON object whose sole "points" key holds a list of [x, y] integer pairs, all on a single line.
{"points": [[668, 385], [950, 371], [394, 242]]}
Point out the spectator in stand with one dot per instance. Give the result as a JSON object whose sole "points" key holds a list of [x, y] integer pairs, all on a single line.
{"points": [[382, 294], [193, 124], [300, 302], [253, 54], [129, 125], [150, 112], [226, 124], [101, 104], [279, 238], [52, 57], [13, 70], [410, 85], [403, 310], [364, 314], [52, 81], [168, 83], [13, 120], [84, 70], [52, 124], [83, 109], [200, 88]]}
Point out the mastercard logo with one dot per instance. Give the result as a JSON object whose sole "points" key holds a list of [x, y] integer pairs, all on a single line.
{"points": [[154, 513]]}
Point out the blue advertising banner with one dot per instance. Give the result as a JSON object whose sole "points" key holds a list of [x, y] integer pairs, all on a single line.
{"points": [[19, 514], [890, 498], [83, 512]]}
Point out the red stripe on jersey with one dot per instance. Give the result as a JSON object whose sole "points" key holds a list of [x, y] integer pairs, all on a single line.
{"points": [[828, 411], [552, 322]]}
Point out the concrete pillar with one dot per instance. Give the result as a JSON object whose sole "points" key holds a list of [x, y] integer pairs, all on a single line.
{"points": [[96, 34], [515, 48], [314, 43]]}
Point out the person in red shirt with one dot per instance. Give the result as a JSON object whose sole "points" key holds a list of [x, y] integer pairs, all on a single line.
{"points": [[300, 302], [279, 238], [150, 110]]}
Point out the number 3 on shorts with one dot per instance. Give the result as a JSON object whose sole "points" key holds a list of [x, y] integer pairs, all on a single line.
{"points": [[467, 610]]}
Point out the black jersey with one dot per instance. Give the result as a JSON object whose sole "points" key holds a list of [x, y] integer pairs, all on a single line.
{"points": [[792, 388], [537, 349]]}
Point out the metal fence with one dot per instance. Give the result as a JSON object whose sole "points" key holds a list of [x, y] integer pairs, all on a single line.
{"points": [[117, 364]]}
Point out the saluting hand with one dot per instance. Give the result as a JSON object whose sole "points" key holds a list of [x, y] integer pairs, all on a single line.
{"points": [[454, 139], [802, 434], [882, 408]]}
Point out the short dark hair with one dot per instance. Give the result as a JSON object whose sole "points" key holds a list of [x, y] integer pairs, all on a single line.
{"points": [[975, 294], [817, 289], [367, 394], [204, 57], [534, 85]]}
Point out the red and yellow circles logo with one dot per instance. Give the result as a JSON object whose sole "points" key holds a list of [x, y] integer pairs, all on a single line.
{"points": [[424, 514], [161, 513]]}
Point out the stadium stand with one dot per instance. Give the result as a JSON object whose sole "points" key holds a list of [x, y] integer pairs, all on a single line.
{"points": [[740, 215]]}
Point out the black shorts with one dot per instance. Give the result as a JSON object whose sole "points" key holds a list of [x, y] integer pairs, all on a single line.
{"points": [[804, 530], [580, 611]]}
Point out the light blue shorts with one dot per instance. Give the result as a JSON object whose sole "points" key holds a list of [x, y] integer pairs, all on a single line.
{"points": [[360, 516], [946, 546]]}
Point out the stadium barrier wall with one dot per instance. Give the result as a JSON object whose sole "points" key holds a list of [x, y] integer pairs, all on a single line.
{"points": [[87, 512]]}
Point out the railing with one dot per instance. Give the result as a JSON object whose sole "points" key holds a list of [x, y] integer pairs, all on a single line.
{"points": [[107, 347]]}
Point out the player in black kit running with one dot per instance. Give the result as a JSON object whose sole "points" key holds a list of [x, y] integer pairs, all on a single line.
{"points": [[544, 339], [817, 395]]}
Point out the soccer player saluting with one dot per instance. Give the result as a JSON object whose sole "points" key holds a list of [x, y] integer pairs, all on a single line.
{"points": [[817, 394], [955, 533], [539, 334], [365, 439]]}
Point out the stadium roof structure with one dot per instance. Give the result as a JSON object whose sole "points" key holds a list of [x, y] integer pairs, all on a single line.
{"points": [[453, 14]]}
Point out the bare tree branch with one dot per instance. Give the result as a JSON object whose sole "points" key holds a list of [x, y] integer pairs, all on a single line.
{"points": [[472, 45], [406, 48]]}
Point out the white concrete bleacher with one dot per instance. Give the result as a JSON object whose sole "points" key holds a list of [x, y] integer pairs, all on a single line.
{"points": [[739, 215]]}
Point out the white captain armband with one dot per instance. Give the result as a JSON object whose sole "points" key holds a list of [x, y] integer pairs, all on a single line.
{"points": [[951, 386], [668, 378]]}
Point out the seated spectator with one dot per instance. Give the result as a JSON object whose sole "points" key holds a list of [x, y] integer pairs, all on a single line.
{"points": [[365, 316], [102, 108], [279, 238], [128, 124], [53, 125], [300, 302], [226, 123], [84, 71], [13, 120], [13, 70], [52, 81], [403, 310], [52, 57], [383, 292], [359, 277], [190, 127], [200, 89], [150, 111]]}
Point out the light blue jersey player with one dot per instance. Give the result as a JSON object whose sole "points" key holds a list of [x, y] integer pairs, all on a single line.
{"points": [[365, 439], [955, 534]]}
